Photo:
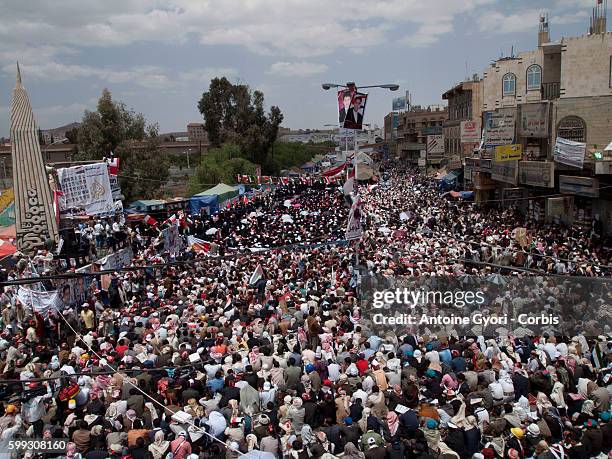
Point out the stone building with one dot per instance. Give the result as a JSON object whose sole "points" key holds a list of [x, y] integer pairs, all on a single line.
{"points": [[464, 104], [414, 125]]}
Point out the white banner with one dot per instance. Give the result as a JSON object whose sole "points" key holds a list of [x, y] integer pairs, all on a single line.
{"points": [[354, 229], [569, 152], [86, 187], [172, 240], [470, 131], [41, 302]]}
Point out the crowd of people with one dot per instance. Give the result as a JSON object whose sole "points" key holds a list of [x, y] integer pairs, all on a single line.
{"points": [[262, 348]]}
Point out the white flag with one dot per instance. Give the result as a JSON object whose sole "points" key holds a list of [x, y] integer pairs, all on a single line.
{"points": [[41, 302], [257, 274]]}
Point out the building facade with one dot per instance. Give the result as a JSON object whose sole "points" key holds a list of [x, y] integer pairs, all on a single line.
{"points": [[464, 104], [413, 128], [561, 90], [196, 132]]}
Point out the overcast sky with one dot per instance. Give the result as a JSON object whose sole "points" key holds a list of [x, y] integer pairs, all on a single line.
{"points": [[158, 56]]}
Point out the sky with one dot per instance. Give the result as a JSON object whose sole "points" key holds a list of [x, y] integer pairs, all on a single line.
{"points": [[158, 56]]}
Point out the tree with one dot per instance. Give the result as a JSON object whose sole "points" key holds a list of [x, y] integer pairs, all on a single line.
{"points": [[113, 128], [221, 164], [72, 135], [232, 113]]}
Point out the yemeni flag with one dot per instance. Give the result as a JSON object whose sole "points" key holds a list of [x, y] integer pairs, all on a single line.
{"points": [[198, 245], [257, 275], [349, 185], [113, 166], [334, 170], [149, 220], [171, 220]]}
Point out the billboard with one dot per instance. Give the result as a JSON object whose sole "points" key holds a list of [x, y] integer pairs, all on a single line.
{"points": [[499, 127], [533, 120], [537, 173], [508, 152], [435, 146], [579, 186], [470, 132], [505, 171], [399, 103]]}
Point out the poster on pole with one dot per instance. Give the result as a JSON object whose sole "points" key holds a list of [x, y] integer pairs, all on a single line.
{"points": [[86, 187], [353, 228], [356, 112], [569, 152], [470, 132], [345, 96]]}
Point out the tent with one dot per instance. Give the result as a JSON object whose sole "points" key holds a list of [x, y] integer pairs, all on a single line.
{"points": [[208, 203], [222, 191]]}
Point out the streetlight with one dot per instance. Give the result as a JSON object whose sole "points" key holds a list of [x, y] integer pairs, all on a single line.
{"points": [[351, 85]]}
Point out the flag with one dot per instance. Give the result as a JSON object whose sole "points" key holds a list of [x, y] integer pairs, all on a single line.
{"points": [[334, 170], [198, 245], [171, 220], [349, 185], [149, 220], [245, 199], [57, 195], [113, 166], [257, 274]]}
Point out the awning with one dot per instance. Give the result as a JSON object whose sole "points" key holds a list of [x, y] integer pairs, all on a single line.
{"points": [[451, 176]]}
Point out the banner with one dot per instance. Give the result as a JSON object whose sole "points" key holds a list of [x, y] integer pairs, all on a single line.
{"points": [[399, 103], [505, 171], [537, 173], [534, 120], [560, 208], [172, 240], [508, 152], [470, 132], [569, 152], [86, 187], [356, 112], [435, 146], [120, 259], [499, 127], [353, 228], [41, 302]]}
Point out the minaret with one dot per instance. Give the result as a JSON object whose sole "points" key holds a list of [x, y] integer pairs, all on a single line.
{"points": [[35, 221], [543, 33]]}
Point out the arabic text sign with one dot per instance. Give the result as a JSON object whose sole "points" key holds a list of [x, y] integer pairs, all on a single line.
{"points": [[508, 152], [87, 187], [569, 152], [499, 127], [470, 132]]}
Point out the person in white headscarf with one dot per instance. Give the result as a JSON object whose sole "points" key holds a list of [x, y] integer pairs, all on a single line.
{"points": [[159, 447]]}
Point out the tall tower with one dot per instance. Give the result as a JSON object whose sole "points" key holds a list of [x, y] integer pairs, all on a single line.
{"points": [[34, 217], [543, 32]]}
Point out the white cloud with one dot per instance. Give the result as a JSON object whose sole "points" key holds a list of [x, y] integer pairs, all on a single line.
{"points": [[294, 28], [497, 22], [149, 77], [297, 69]]}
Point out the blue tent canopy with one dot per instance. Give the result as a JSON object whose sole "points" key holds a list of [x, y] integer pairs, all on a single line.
{"points": [[467, 195], [209, 203], [451, 176]]}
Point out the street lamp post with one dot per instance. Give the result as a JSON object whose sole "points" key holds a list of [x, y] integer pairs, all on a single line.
{"points": [[351, 85]]}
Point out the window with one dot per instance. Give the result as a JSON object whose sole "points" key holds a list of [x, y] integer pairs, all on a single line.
{"points": [[572, 128], [534, 77], [509, 84]]}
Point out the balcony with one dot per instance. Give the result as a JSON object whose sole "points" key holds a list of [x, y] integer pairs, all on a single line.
{"points": [[551, 91]]}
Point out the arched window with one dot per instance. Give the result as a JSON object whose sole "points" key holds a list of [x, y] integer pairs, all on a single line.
{"points": [[509, 84], [534, 77], [572, 128]]}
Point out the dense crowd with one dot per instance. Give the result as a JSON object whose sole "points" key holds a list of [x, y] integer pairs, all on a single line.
{"points": [[203, 359]]}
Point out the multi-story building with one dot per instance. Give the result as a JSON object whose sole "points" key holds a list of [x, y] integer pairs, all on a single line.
{"points": [[414, 125], [562, 89], [464, 104], [196, 132]]}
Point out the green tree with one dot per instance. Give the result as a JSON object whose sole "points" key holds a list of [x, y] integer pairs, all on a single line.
{"points": [[233, 113], [220, 165], [113, 128]]}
